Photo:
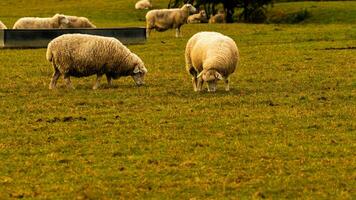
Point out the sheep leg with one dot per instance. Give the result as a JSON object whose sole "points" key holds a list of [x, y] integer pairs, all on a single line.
{"points": [[97, 82], [54, 79], [200, 84], [109, 79], [194, 81], [178, 32], [67, 81], [194, 78], [148, 32], [227, 86]]}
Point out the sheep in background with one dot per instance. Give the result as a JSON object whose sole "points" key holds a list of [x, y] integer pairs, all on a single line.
{"points": [[210, 56], [218, 18], [57, 21], [143, 4], [198, 18], [2, 25], [164, 19], [84, 55], [79, 22]]}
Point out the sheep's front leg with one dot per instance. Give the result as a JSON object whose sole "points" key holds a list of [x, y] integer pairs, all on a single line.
{"points": [[97, 82], [67, 81], [178, 32], [200, 83], [227, 86], [194, 81], [54, 79], [109, 79], [148, 32]]}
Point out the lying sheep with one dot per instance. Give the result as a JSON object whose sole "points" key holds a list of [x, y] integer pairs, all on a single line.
{"points": [[218, 18], [210, 56], [84, 55], [164, 19], [79, 22], [197, 18], [2, 25], [57, 21], [143, 4]]}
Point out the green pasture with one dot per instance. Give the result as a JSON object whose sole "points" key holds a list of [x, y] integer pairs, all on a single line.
{"points": [[286, 130]]}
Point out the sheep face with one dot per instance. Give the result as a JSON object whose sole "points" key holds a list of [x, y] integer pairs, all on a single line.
{"points": [[190, 8], [139, 73], [211, 77], [202, 14]]}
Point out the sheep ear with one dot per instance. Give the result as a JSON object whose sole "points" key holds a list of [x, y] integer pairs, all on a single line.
{"points": [[200, 74], [136, 70], [218, 76]]}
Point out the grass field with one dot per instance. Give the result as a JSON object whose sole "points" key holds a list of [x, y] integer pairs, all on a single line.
{"points": [[285, 130]]}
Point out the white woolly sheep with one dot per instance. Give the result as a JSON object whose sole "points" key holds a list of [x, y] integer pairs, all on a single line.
{"points": [[164, 19], [79, 22], [2, 25], [143, 4], [209, 57], [220, 17], [81, 55], [198, 18], [57, 21]]}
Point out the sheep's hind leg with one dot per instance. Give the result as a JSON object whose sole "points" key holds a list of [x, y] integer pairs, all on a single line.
{"points": [[67, 81], [97, 82], [227, 85], [54, 79]]}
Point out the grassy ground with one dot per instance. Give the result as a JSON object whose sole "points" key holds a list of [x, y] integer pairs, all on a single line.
{"points": [[285, 130]]}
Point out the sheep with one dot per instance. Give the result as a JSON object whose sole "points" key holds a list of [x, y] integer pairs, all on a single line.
{"points": [[79, 22], [57, 21], [81, 55], [143, 4], [209, 57], [197, 18], [2, 25], [218, 18], [164, 19]]}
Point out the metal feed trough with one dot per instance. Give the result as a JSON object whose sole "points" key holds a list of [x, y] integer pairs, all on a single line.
{"points": [[39, 38]]}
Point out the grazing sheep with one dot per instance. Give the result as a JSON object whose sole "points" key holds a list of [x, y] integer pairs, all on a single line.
{"points": [[79, 22], [198, 18], [143, 4], [81, 55], [218, 18], [164, 19], [210, 56], [57, 21], [2, 25]]}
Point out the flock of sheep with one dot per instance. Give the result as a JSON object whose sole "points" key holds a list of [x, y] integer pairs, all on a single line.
{"points": [[209, 56]]}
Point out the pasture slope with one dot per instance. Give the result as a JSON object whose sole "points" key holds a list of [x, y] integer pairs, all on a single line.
{"points": [[285, 130]]}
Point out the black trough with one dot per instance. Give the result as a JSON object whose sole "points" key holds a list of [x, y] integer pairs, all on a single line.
{"points": [[39, 38]]}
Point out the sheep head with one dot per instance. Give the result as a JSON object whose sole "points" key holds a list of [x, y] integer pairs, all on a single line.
{"points": [[211, 77], [189, 7], [139, 72]]}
